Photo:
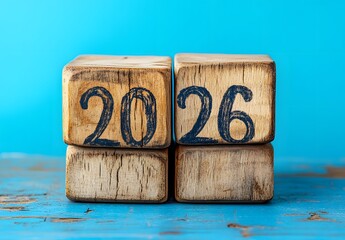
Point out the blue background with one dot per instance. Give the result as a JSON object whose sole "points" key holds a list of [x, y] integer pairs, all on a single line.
{"points": [[305, 38]]}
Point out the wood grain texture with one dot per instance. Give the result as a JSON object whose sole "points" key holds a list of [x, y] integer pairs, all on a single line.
{"points": [[224, 173], [217, 73], [117, 75], [121, 175]]}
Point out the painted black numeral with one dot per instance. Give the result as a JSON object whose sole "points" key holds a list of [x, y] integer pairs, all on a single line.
{"points": [[150, 111], [108, 106], [225, 115], [206, 107]]}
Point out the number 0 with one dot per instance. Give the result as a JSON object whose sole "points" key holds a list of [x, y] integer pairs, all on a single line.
{"points": [[108, 106], [150, 111]]}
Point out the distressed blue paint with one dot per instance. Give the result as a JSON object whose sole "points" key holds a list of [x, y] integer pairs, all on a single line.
{"points": [[301, 187]]}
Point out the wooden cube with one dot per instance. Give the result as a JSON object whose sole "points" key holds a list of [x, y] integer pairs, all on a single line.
{"points": [[112, 101], [224, 173], [224, 99], [116, 175]]}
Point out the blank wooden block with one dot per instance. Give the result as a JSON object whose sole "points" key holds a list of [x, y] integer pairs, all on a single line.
{"points": [[224, 99], [224, 173], [118, 175], [112, 101]]}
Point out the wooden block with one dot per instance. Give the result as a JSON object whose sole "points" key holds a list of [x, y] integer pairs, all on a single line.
{"points": [[224, 99], [116, 175], [224, 173], [112, 101]]}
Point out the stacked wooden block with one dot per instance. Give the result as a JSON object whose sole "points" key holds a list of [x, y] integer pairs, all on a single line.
{"points": [[227, 101], [117, 122], [112, 107]]}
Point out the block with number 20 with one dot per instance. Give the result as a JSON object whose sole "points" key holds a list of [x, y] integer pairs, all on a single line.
{"points": [[113, 101]]}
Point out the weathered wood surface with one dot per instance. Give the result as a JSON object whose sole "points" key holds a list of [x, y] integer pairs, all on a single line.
{"points": [[116, 175], [224, 173], [225, 99], [113, 101], [308, 203]]}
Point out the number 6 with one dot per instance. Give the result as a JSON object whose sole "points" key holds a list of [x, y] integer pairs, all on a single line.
{"points": [[226, 116]]}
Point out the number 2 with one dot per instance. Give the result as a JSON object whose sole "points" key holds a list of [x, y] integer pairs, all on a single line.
{"points": [[108, 106], [204, 115]]}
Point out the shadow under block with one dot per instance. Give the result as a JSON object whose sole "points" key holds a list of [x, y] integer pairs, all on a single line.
{"points": [[224, 173], [116, 175], [224, 99], [113, 101]]}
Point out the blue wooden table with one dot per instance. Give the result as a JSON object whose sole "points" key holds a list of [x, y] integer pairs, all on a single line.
{"points": [[309, 203]]}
